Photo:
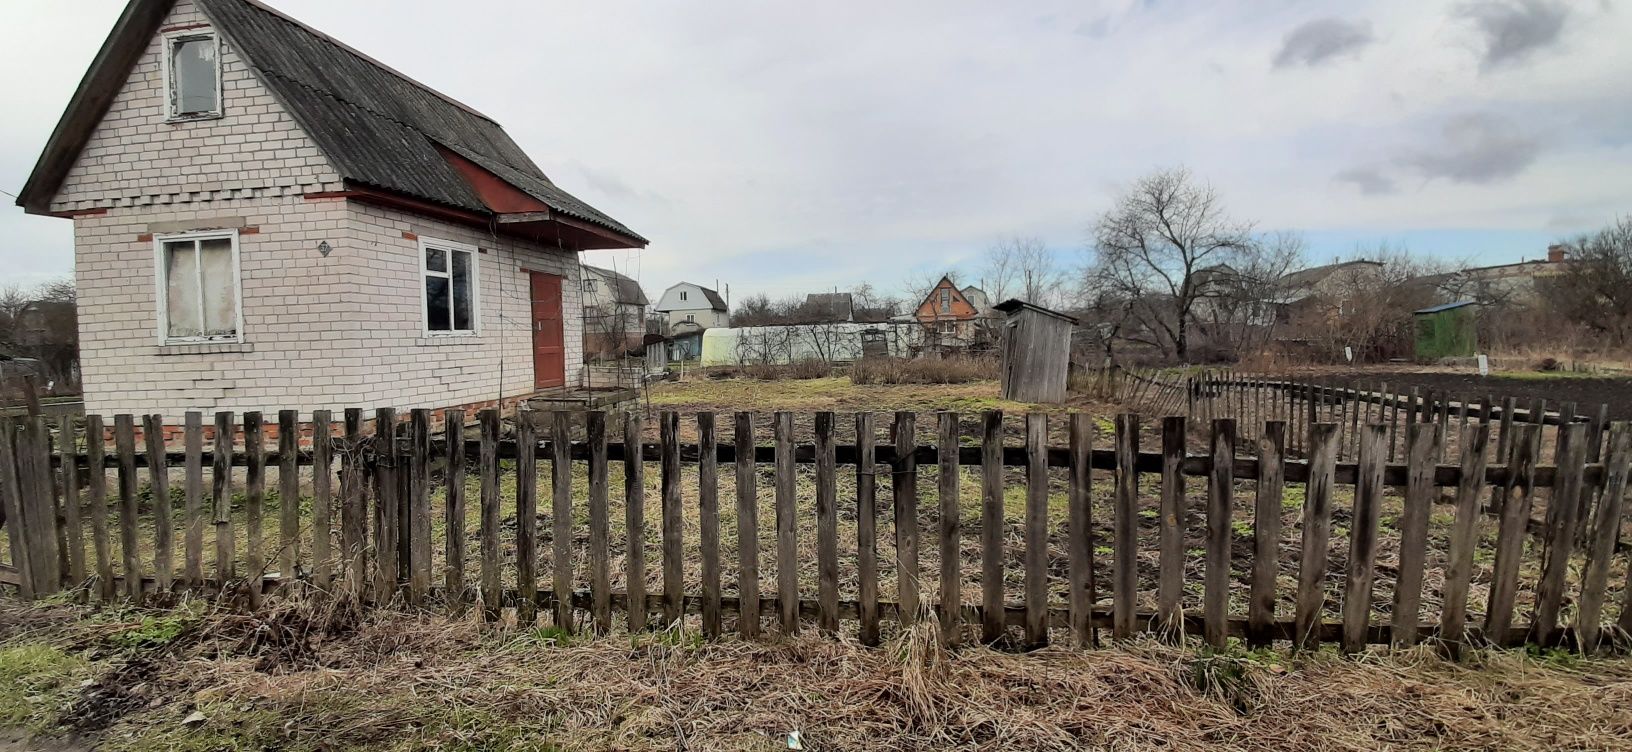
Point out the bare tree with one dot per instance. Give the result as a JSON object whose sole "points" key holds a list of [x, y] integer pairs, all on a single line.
{"points": [[1157, 249], [1023, 266], [1594, 291]]}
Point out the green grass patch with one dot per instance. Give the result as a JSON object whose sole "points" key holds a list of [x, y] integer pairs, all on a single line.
{"points": [[37, 683]]}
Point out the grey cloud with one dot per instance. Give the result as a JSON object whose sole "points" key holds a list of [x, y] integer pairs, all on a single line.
{"points": [[1323, 39], [1478, 147], [1370, 180], [1514, 29]]}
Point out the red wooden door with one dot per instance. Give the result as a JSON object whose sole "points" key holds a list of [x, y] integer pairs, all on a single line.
{"points": [[549, 342]]}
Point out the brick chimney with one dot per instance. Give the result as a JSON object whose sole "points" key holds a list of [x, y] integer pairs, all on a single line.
{"points": [[1555, 254]]}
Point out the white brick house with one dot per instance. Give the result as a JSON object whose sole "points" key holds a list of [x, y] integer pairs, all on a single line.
{"points": [[265, 218]]}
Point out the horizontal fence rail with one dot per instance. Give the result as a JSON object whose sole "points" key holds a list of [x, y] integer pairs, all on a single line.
{"points": [[1019, 531]]}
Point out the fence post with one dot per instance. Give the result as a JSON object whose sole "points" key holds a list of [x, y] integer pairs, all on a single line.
{"points": [[386, 524], [1175, 520], [419, 504], [323, 499], [748, 524], [289, 496], [354, 506], [193, 504], [561, 512]]}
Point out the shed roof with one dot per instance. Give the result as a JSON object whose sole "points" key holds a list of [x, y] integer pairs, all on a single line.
{"points": [[1013, 305], [377, 126], [1446, 307]]}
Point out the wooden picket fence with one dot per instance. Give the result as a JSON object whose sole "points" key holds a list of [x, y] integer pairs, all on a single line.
{"points": [[367, 533]]}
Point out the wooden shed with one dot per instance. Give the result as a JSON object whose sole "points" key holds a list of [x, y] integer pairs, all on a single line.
{"points": [[1447, 331], [1036, 352]]}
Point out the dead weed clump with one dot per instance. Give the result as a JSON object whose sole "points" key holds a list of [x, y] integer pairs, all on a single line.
{"points": [[950, 370]]}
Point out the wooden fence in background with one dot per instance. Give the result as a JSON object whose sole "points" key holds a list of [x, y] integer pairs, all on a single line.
{"points": [[367, 532], [1256, 399]]}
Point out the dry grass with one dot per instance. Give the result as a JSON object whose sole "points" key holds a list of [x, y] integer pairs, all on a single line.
{"points": [[414, 681], [953, 370]]}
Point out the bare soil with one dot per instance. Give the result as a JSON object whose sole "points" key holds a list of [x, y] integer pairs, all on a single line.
{"points": [[1587, 392]]}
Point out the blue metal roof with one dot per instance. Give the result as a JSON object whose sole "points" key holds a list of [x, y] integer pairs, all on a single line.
{"points": [[1446, 307]]}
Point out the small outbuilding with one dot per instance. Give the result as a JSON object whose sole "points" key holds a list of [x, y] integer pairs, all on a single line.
{"points": [[1446, 331], [1036, 352]]}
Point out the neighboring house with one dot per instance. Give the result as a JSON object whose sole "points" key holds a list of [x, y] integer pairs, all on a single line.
{"points": [[828, 307], [1507, 283], [1312, 296], [48, 331], [687, 308], [265, 218], [614, 313], [952, 318]]}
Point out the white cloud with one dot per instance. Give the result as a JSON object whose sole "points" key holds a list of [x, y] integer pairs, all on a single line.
{"points": [[781, 145]]}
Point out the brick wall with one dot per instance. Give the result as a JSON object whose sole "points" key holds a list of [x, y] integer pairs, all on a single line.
{"points": [[135, 158], [329, 332]]}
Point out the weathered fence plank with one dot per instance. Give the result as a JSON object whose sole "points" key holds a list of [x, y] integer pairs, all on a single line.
{"points": [[1266, 532], [419, 503], [866, 525], [1562, 509], [289, 493], [1036, 583], [787, 545], [74, 532], [1317, 532], [353, 508], [904, 486], [561, 565], [1079, 544], [96, 461], [1423, 450], [1361, 570], [193, 499], [1606, 525], [492, 590], [1464, 537], [124, 441], [453, 505], [991, 525], [708, 516], [158, 483], [527, 515], [600, 526], [1220, 507], [634, 523], [948, 478], [1124, 521], [322, 497], [1515, 519], [1174, 522], [748, 527], [827, 527]]}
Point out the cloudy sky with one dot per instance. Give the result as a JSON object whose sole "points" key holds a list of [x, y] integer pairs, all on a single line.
{"points": [[788, 146]]}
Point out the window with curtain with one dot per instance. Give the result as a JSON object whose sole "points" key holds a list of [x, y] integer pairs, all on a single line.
{"points": [[450, 288], [200, 288]]}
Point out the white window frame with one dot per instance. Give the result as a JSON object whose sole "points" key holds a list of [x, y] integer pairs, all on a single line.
{"points": [[160, 281], [170, 40], [425, 273]]}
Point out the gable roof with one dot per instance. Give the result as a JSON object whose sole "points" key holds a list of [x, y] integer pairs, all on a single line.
{"points": [[838, 306], [714, 300], [626, 291], [378, 127], [1316, 274], [1013, 305]]}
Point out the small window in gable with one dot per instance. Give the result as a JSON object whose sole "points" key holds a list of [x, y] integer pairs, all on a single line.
{"points": [[192, 75], [682, 294]]}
